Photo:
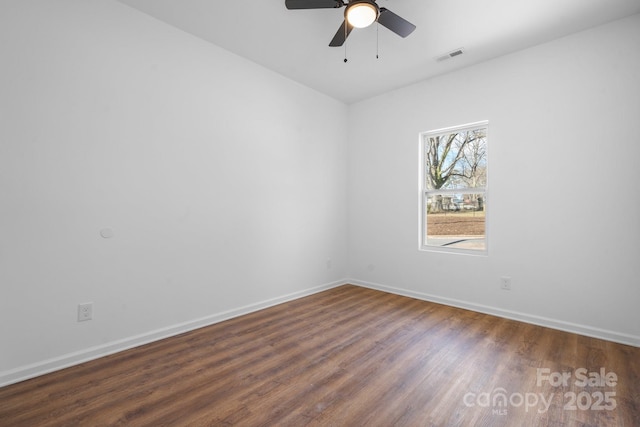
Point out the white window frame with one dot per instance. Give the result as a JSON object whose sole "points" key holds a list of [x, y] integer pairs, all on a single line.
{"points": [[425, 192]]}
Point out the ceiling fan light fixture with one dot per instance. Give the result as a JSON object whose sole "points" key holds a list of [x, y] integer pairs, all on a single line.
{"points": [[361, 14]]}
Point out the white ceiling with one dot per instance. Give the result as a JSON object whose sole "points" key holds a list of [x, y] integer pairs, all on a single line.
{"points": [[295, 42]]}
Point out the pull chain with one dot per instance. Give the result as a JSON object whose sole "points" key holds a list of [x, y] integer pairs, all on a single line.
{"points": [[346, 24], [377, 38]]}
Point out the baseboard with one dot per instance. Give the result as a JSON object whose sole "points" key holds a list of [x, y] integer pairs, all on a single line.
{"points": [[575, 328], [71, 359], [54, 364]]}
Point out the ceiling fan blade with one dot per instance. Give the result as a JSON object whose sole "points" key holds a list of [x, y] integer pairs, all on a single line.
{"points": [[398, 25], [340, 37], [312, 4]]}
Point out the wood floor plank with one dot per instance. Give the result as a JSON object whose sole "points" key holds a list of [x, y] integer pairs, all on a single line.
{"points": [[349, 356]]}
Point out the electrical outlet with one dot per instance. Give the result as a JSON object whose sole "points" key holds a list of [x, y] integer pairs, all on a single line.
{"points": [[505, 283], [85, 311]]}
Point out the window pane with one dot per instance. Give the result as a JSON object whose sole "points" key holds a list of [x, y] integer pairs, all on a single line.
{"points": [[457, 159], [456, 220]]}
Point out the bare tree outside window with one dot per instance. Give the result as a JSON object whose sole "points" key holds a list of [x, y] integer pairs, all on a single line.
{"points": [[454, 188]]}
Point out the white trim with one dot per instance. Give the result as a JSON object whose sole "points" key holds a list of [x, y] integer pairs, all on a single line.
{"points": [[465, 190], [589, 331], [444, 131], [424, 191], [54, 364]]}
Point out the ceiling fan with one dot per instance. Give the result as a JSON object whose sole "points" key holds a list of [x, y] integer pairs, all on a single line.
{"points": [[357, 14]]}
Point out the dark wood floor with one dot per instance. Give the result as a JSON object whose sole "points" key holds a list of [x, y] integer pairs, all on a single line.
{"points": [[349, 356]]}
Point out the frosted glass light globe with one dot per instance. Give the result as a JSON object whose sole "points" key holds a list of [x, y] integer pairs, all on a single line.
{"points": [[362, 15]]}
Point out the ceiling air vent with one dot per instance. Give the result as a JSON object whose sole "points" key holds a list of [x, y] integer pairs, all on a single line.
{"points": [[450, 55]]}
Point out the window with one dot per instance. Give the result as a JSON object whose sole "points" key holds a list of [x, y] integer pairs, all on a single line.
{"points": [[453, 190]]}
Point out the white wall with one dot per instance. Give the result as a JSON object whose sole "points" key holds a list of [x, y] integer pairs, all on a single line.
{"points": [[564, 145], [224, 183]]}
